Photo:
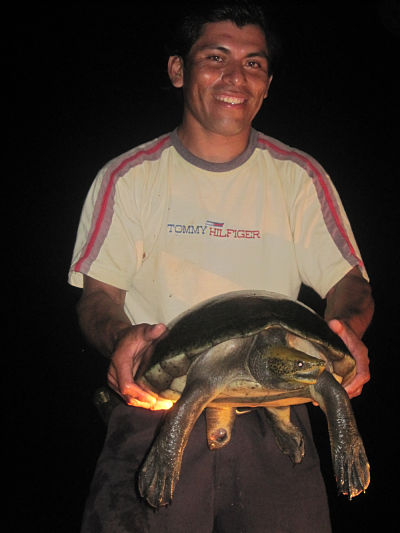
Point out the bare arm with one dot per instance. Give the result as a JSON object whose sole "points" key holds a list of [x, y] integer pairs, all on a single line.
{"points": [[101, 315], [349, 311], [104, 323]]}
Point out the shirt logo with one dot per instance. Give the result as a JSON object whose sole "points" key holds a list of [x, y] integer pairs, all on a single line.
{"points": [[213, 229], [214, 224]]}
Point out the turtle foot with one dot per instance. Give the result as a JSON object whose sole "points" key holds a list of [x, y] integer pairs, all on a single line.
{"points": [[157, 478], [291, 444], [352, 469], [288, 437]]}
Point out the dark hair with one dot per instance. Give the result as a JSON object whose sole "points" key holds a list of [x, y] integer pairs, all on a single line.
{"points": [[188, 28]]}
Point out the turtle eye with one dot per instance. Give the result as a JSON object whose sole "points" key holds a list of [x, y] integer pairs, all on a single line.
{"points": [[300, 364]]}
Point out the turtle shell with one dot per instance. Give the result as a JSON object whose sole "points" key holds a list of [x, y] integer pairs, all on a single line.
{"points": [[234, 315]]}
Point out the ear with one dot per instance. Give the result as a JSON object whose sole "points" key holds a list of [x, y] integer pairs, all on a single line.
{"points": [[268, 85], [175, 71]]}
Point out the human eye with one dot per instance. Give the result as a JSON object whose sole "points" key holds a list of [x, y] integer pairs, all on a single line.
{"points": [[215, 58], [254, 64], [257, 62]]}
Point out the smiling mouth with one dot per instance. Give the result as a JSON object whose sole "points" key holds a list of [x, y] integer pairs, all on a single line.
{"points": [[233, 100]]}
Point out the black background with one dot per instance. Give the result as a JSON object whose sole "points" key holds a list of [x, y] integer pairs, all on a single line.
{"points": [[84, 82]]}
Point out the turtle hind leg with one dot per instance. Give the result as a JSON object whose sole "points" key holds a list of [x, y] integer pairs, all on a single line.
{"points": [[219, 426], [288, 437]]}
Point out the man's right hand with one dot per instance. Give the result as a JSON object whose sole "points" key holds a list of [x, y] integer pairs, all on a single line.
{"points": [[107, 327], [134, 342]]}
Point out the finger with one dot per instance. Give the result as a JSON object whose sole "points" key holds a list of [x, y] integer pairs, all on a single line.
{"points": [[148, 334], [360, 353], [134, 402], [353, 392], [112, 381], [161, 405], [132, 395], [356, 347], [355, 387], [144, 398], [158, 405], [347, 336], [136, 396], [123, 371], [125, 364], [153, 332], [121, 380], [336, 326]]}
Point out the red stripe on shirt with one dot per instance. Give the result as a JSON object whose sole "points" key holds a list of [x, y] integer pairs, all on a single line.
{"points": [[323, 185], [117, 172]]}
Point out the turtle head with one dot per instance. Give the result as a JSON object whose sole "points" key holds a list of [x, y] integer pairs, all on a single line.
{"points": [[278, 365]]}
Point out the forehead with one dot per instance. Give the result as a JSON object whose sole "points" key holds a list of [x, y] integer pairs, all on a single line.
{"points": [[249, 38]]}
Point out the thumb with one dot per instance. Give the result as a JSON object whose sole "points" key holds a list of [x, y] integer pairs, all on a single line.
{"points": [[153, 331], [336, 326]]}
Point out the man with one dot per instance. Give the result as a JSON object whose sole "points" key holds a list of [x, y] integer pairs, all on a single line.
{"points": [[212, 207]]}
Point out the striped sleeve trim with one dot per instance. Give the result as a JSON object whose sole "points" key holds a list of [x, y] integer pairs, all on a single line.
{"points": [[103, 210], [326, 195]]}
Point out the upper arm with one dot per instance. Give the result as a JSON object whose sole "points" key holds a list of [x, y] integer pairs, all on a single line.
{"points": [[351, 301], [353, 280], [93, 286]]}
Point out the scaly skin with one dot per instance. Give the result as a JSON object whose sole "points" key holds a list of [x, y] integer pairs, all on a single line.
{"points": [[288, 437], [273, 367], [349, 459], [160, 472]]}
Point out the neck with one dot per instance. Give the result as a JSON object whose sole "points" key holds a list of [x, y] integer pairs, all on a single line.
{"points": [[213, 147]]}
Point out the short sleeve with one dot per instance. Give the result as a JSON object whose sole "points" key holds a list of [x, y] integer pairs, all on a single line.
{"points": [[324, 243], [109, 239]]}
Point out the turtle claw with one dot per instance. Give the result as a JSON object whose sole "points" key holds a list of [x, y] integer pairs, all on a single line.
{"points": [[291, 444], [157, 479], [288, 437], [352, 469]]}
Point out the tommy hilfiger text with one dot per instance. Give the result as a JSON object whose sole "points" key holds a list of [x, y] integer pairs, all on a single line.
{"points": [[214, 230]]}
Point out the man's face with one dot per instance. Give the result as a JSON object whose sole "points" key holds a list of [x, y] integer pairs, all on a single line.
{"points": [[225, 78]]}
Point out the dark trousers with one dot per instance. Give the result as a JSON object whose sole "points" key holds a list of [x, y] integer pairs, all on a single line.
{"points": [[248, 486]]}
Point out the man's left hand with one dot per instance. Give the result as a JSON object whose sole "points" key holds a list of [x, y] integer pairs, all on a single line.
{"points": [[360, 353]]}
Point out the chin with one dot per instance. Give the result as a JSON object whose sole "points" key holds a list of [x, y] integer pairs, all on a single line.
{"points": [[231, 129]]}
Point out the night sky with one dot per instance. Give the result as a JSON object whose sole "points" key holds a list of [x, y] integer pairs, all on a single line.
{"points": [[85, 82]]}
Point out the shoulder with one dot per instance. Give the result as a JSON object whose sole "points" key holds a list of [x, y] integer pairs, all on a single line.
{"points": [[151, 151], [280, 151]]}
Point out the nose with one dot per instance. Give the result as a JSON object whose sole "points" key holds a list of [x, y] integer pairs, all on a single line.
{"points": [[234, 73]]}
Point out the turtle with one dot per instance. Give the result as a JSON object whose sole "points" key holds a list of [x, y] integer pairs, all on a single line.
{"points": [[241, 350]]}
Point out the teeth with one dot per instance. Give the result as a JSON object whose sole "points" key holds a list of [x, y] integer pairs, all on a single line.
{"points": [[230, 99]]}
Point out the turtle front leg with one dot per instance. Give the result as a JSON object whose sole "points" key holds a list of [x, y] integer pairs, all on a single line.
{"points": [[349, 459], [160, 472]]}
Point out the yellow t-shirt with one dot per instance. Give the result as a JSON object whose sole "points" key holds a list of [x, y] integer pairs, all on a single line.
{"points": [[173, 230]]}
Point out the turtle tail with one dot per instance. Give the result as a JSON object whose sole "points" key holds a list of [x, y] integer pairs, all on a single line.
{"points": [[220, 421]]}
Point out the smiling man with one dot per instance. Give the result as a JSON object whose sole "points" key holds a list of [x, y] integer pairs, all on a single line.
{"points": [[212, 207], [225, 80]]}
